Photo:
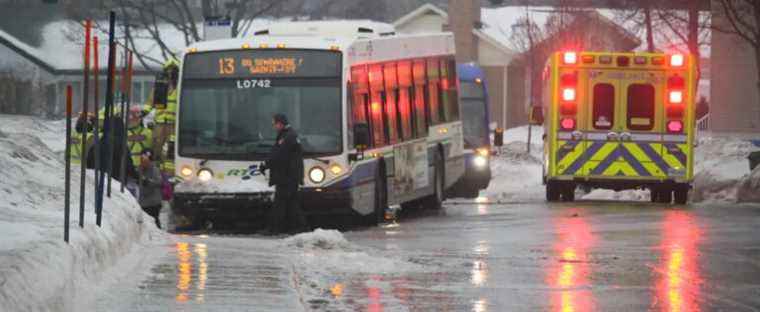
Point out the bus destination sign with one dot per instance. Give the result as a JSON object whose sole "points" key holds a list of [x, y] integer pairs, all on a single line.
{"points": [[262, 63]]}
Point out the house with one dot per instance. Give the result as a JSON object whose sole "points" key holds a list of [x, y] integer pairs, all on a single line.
{"points": [[486, 36], [33, 77], [734, 95]]}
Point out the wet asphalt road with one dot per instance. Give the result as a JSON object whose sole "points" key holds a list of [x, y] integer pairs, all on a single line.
{"points": [[583, 256]]}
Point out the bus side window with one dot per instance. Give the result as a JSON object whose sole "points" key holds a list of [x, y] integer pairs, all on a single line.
{"points": [[391, 116], [434, 79], [377, 124], [604, 106], [420, 120], [450, 89], [404, 72], [640, 107], [359, 96]]}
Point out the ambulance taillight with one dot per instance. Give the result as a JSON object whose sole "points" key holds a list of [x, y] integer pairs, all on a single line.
{"points": [[567, 124], [675, 104], [568, 93]]}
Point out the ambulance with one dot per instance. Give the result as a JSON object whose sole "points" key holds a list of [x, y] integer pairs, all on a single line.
{"points": [[619, 121]]}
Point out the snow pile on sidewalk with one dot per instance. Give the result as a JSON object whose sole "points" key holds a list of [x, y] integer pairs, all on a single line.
{"points": [[323, 259], [38, 271], [722, 170], [516, 175]]}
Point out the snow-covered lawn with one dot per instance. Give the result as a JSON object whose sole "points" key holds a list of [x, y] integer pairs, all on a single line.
{"points": [[721, 170], [38, 271]]}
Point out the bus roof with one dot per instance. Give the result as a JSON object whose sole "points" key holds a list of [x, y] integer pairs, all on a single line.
{"points": [[346, 28]]}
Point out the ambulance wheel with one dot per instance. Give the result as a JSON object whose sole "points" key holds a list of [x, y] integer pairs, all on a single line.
{"points": [[552, 191], [665, 196], [654, 195], [568, 193], [681, 195]]}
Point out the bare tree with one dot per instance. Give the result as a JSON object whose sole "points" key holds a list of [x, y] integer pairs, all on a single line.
{"points": [[161, 22], [741, 18]]}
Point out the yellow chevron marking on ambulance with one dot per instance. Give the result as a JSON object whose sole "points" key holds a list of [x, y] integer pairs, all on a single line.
{"points": [[605, 151], [620, 166], [643, 159], [570, 157]]}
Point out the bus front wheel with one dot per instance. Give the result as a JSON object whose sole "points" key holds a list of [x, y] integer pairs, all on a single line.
{"points": [[381, 196]]}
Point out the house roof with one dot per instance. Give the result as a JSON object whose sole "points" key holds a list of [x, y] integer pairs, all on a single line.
{"points": [[61, 47], [498, 22], [486, 34]]}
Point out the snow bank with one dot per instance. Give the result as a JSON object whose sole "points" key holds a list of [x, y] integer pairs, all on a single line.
{"points": [[38, 271], [516, 175], [721, 170], [324, 259]]}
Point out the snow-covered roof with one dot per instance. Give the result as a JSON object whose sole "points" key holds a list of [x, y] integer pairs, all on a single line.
{"points": [[486, 33], [62, 46], [349, 28]]}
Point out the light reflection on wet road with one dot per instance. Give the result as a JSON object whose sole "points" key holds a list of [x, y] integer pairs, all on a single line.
{"points": [[586, 256]]}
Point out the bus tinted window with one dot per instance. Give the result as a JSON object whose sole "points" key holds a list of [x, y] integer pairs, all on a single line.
{"points": [[434, 103], [391, 116], [640, 107], [420, 109], [604, 106], [405, 111], [451, 90]]}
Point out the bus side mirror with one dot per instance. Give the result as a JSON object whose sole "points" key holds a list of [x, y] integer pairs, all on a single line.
{"points": [[498, 137], [361, 136], [160, 91]]}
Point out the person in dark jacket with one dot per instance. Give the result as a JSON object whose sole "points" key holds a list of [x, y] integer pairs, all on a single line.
{"points": [[150, 185], [285, 164]]}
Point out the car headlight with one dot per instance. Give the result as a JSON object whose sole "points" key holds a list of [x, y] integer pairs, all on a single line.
{"points": [[479, 161], [186, 171], [205, 175], [317, 175]]}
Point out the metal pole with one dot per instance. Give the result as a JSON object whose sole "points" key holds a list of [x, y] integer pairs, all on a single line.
{"points": [[85, 104], [125, 120], [108, 105], [96, 126], [67, 178]]}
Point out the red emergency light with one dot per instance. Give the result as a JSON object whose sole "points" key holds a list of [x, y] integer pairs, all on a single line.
{"points": [[567, 124], [570, 58], [675, 126]]}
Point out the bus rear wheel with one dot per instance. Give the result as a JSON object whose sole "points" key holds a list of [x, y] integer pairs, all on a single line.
{"points": [[435, 201], [381, 197]]}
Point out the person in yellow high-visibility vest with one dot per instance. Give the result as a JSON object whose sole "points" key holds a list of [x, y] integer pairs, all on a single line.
{"points": [[82, 135], [139, 138], [167, 168], [165, 117]]}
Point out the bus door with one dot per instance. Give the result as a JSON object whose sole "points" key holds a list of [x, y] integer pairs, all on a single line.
{"points": [[625, 122]]}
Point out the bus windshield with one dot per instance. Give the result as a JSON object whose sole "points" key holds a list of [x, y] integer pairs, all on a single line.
{"points": [[225, 118], [474, 119]]}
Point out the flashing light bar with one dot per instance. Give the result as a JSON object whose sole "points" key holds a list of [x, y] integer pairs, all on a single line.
{"points": [[570, 58], [677, 60]]}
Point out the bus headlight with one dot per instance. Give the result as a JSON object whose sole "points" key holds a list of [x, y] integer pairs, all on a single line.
{"points": [[479, 161], [205, 175], [483, 152], [186, 172], [317, 175]]}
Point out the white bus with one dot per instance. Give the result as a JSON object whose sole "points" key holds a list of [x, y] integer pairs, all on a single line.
{"points": [[377, 116]]}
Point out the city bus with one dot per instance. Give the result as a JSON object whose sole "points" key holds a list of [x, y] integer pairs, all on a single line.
{"points": [[473, 96], [619, 121], [377, 116]]}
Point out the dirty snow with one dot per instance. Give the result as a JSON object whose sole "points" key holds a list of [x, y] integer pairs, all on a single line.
{"points": [[39, 272], [721, 171]]}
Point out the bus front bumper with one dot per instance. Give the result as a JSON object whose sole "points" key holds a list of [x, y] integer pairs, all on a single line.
{"points": [[314, 201]]}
